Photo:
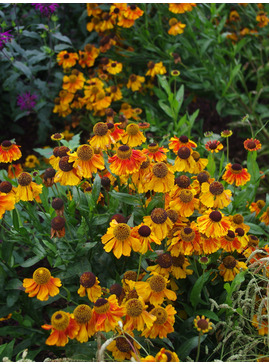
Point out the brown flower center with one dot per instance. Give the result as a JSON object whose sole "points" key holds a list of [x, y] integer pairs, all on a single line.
{"points": [[124, 152], [184, 152], [236, 168], [116, 289], [251, 144], [253, 240], [186, 196], [57, 203], [5, 187], [240, 231], [6, 145], [144, 231], [184, 139], [87, 279], [132, 129], [229, 262], [178, 261], [215, 216], [24, 179], [82, 314], [122, 231], [123, 345], [153, 147], [158, 215], [161, 315], [64, 165], [202, 324], [58, 223], [101, 306], [41, 276], [216, 188], [183, 181], [260, 204], [157, 283], [196, 156], [130, 275], [173, 215], [203, 177], [164, 260], [60, 320], [230, 235], [145, 164], [62, 151], [134, 307], [100, 129], [187, 234], [160, 170], [85, 152], [238, 219]]}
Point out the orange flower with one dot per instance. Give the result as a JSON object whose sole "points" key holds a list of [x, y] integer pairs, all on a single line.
{"points": [[89, 284], [133, 12], [101, 139], [214, 146], [229, 242], [185, 203], [115, 132], [184, 161], [107, 313], [66, 175], [63, 326], [179, 267], [133, 136], [146, 237], [14, 168], [119, 237], [9, 152], [161, 178], [126, 161], [67, 60], [73, 82], [159, 222], [83, 317], [163, 265], [142, 176], [122, 348], [262, 19], [85, 161], [200, 163], [229, 268], [135, 82], [114, 67], [181, 8], [165, 319], [265, 217], [114, 92], [27, 190], [257, 206], [7, 203], [185, 241], [209, 245], [156, 153], [165, 355], [235, 173], [136, 315], [175, 143], [252, 144], [213, 195], [234, 16], [213, 224], [176, 27], [238, 222], [42, 285], [155, 69], [202, 324]]}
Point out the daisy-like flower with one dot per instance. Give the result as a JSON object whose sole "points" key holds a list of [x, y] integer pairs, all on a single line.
{"points": [[31, 161], [182, 182], [161, 178], [62, 327], [27, 190], [179, 267], [229, 268], [116, 133], [114, 67], [141, 178], [176, 27], [214, 146], [262, 19], [146, 237], [159, 222], [90, 285], [9, 152], [73, 82], [133, 12], [202, 324], [14, 170], [154, 290], [213, 224], [67, 174], [135, 82], [57, 136], [42, 285], [155, 69], [164, 324], [85, 161], [120, 239], [163, 265], [7, 202], [235, 173], [122, 348], [185, 203], [252, 245], [185, 241], [229, 242], [200, 163], [257, 206], [133, 136], [209, 245], [57, 227], [114, 92], [252, 144], [126, 161], [107, 313], [136, 315], [213, 195], [66, 59], [238, 222], [165, 355], [101, 139], [156, 153], [226, 133], [82, 315], [183, 141], [265, 217], [180, 8], [184, 161]]}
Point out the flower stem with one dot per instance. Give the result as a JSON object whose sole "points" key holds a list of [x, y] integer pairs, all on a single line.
{"points": [[198, 348], [139, 266]]}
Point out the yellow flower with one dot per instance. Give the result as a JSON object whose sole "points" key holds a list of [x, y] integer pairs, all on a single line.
{"points": [[159, 222], [122, 348], [163, 325], [73, 82], [136, 315], [133, 136], [31, 161], [176, 27], [229, 268], [67, 60], [114, 67], [66, 175], [7, 203], [202, 324], [9, 152], [101, 139], [83, 316], [155, 69], [161, 178], [213, 195], [89, 284], [135, 82], [213, 224], [27, 190]]}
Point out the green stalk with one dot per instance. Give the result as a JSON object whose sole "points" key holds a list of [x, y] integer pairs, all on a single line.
{"points": [[198, 348]]}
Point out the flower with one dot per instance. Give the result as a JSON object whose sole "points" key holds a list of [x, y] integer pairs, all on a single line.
{"points": [[200, 163], [214, 146], [238, 222], [4, 38], [120, 239], [14, 170], [101, 138], [229, 268], [185, 203], [213, 195], [31, 161], [57, 227], [27, 101], [133, 12], [89, 284], [122, 348], [184, 161], [163, 266], [42, 285], [136, 315], [179, 267], [213, 224], [57, 136], [180, 8], [156, 153], [257, 206], [230, 242], [209, 245], [165, 355], [46, 9], [133, 136], [202, 324], [73, 82], [176, 27], [252, 144], [185, 241], [114, 67], [63, 326], [183, 141], [163, 325], [226, 133], [7, 203], [159, 222], [107, 313], [155, 69], [82, 315], [146, 237], [126, 161], [86, 161], [9, 152], [67, 174], [154, 289], [161, 178], [262, 19], [235, 173], [27, 190], [135, 82], [234, 16], [265, 217]]}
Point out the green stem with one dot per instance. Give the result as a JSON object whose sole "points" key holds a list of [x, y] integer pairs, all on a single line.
{"points": [[227, 150], [139, 266], [198, 348]]}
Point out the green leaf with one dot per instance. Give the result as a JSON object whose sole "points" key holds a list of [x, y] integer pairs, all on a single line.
{"points": [[166, 108], [12, 297], [96, 187], [45, 152], [14, 283], [6, 350], [125, 197], [72, 143], [31, 261], [195, 296], [190, 344], [256, 229], [61, 37], [23, 68], [208, 314]]}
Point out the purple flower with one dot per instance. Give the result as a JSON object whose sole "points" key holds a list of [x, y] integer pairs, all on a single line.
{"points": [[46, 8], [4, 38], [26, 101]]}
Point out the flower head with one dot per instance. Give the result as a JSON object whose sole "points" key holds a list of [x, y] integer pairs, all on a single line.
{"points": [[4, 38], [90, 285], [7, 203], [82, 315], [27, 101], [159, 222], [136, 315], [229, 268], [124, 348], [46, 9], [27, 190], [202, 324], [213, 195], [213, 224], [252, 144], [214, 146], [235, 173], [126, 160], [9, 152]]}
